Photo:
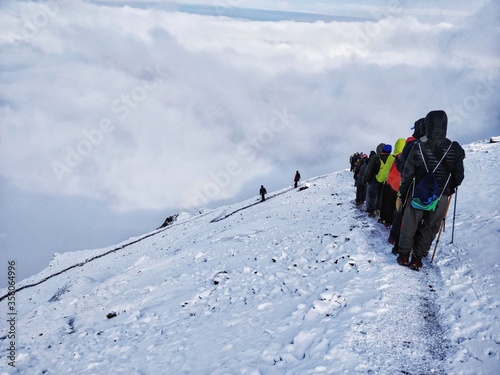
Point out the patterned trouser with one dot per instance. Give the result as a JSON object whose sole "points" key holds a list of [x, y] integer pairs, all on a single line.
{"points": [[419, 228]]}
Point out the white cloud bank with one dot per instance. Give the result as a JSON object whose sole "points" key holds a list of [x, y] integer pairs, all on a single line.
{"points": [[145, 108]]}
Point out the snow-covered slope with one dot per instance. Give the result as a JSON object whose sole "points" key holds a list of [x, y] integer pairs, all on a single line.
{"points": [[303, 283]]}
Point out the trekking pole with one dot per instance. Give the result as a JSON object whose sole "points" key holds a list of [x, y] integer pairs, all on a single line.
{"points": [[441, 227], [454, 213]]}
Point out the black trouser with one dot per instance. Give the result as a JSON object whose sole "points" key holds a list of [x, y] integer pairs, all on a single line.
{"points": [[388, 205], [360, 192], [396, 225]]}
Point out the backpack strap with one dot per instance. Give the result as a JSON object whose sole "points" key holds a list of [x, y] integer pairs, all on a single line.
{"points": [[444, 187], [425, 164], [444, 164], [434, 170]]}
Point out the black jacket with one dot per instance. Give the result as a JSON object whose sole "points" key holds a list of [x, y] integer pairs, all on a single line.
{"points": [[373, 165], [433, 149], [360, 172], [401, 160]]}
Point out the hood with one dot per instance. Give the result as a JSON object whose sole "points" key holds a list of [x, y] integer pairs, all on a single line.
{"points": [[436, 124], [380, 147], [399, 145]]}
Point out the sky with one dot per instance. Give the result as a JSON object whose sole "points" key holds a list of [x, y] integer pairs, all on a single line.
{"points": [[304, 283], [115, 115]]}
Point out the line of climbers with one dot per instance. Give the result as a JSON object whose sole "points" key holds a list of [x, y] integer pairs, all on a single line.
{"points": [[410, 188]]}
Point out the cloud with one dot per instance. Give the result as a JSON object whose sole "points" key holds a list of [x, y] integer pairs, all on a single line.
{"points": [[145, 108]]}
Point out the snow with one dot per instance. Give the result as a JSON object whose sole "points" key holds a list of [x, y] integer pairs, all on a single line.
{"points": [[304, 283]]}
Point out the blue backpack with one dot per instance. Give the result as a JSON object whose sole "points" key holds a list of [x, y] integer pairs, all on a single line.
{"points": [[426, 192]]}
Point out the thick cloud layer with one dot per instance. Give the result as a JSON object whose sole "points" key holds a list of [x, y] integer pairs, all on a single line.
{"points": [[146, 108], [115, 114]]}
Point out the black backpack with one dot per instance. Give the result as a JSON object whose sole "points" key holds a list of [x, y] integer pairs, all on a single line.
{"points": [[426, 192]]}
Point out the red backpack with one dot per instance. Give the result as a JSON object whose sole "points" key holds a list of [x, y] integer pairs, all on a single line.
{"points": [[394, 177]]}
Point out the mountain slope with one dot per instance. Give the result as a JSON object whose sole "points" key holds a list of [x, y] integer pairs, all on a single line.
{"points": [[303, 283]]}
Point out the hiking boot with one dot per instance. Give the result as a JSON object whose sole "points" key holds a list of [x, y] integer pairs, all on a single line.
{"points": [[395, 249], [391, 240], [403, 260], [415, 263]]}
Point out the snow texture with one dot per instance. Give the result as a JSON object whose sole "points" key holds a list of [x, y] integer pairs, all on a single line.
{"points": [[303, 283]]}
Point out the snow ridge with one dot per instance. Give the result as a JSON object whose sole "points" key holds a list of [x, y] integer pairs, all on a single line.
{"points": [[80, 264], [303, 283]]}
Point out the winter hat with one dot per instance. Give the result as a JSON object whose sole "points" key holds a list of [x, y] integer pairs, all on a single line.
{"points": [[387, 149], [419, 128]]}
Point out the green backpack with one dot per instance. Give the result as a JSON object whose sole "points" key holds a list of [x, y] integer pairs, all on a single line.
{"points": [[383, 172]]}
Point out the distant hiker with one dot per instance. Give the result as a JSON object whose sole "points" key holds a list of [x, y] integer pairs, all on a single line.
{"points": [[357, 164], [381, 176], [263, 193], [372, 177], [296, 179], [389, 192], [444, 159], [418, 136], [360, 186], [399, 163], [352, 160], [367, 178]]}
